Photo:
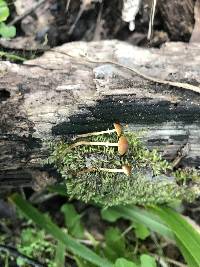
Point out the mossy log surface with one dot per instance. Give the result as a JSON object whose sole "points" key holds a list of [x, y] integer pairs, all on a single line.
{"points": [[57, 95]]}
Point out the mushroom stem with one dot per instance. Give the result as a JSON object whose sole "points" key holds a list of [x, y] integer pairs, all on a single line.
{"points": [[80, 143], [125, 169], [110, 170], [122, 144], [94, 133], [117, 129], [86, 170]]}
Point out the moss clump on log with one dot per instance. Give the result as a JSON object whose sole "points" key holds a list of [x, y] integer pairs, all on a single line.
{"points": [[152, 180]]}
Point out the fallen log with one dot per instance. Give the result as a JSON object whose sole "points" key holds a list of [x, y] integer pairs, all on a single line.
{"points": [[83, 87]]}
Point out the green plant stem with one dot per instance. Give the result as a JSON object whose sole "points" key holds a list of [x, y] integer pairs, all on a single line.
{"points": [[46, 223], [11, 56]]}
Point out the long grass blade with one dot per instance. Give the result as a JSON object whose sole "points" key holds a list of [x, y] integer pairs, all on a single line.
{"points": [[187, 237], [145, 217], [70, 243]]}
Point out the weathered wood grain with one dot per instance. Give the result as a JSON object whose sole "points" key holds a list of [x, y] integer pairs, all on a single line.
{"points": [[57, 95]]}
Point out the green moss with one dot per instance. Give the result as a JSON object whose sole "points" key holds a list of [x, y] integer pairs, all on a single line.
{"points": [[152, 180]]}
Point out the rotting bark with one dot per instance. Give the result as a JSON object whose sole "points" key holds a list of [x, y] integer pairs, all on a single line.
{"points": [[178, 18], [57, 96]]}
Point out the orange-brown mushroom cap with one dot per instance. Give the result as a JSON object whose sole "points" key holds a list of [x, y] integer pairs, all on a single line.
{"points": [[122, 145], [127, 169], [118, 128]]}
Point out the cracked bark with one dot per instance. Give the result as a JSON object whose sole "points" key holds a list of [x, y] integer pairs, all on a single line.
{"points": [[57, 96], [178, 18]]}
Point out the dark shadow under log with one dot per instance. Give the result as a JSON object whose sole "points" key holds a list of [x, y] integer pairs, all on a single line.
{"points": [[56, 96]]}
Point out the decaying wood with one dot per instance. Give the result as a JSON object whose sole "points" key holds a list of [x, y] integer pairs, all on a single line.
{"points": [[178, 17], [58, 95]]}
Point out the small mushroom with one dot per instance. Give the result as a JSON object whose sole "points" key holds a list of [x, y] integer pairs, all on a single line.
{"points": [[122, 144], [117, 129], [125, 169]]}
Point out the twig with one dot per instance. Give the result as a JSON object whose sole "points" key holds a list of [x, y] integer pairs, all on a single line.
{"points": [[127, 230], [15, 253], [157, 244], [186, 86], [67, 5], [182, 152], [26, 13], [39, 197], [179, 264], [151, 20], [84, 6], [80, 12], [98, 26]]}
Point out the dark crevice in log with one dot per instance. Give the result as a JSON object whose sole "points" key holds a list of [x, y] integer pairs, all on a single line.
{"points": [[178, 18], [16, 178], [141, 111], [4, 95]]}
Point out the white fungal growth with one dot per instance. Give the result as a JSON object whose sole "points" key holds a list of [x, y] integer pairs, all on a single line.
{"points": [[129, 12]]}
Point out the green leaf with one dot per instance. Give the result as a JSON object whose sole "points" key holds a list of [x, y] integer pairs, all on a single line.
{"points": [[7, 31], [20, 261], [115, 243], [58, 188], [121, 262], [187, 237], [110, 215], [82, 263], [11, 56], [187, 256], [4, 11], [147, 261], [147, 218], [30, 235], [70, 243], [72, 220], [60, 255], [141, 231]]}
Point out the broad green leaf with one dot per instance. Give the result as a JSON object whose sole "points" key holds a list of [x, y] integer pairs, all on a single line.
{"points": [[7, 31], [121, 262], [72, 220], [58, 188], [60, 255], [82, 263], [115, 243], [110, 215], [187, 256], [186, 235], [4, 11], [147, 261], [70, 243], [147, 218], [20, 261], [141, 231]]}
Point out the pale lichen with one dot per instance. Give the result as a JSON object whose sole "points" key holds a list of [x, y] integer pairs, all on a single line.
{"points": [[152, 180]]}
